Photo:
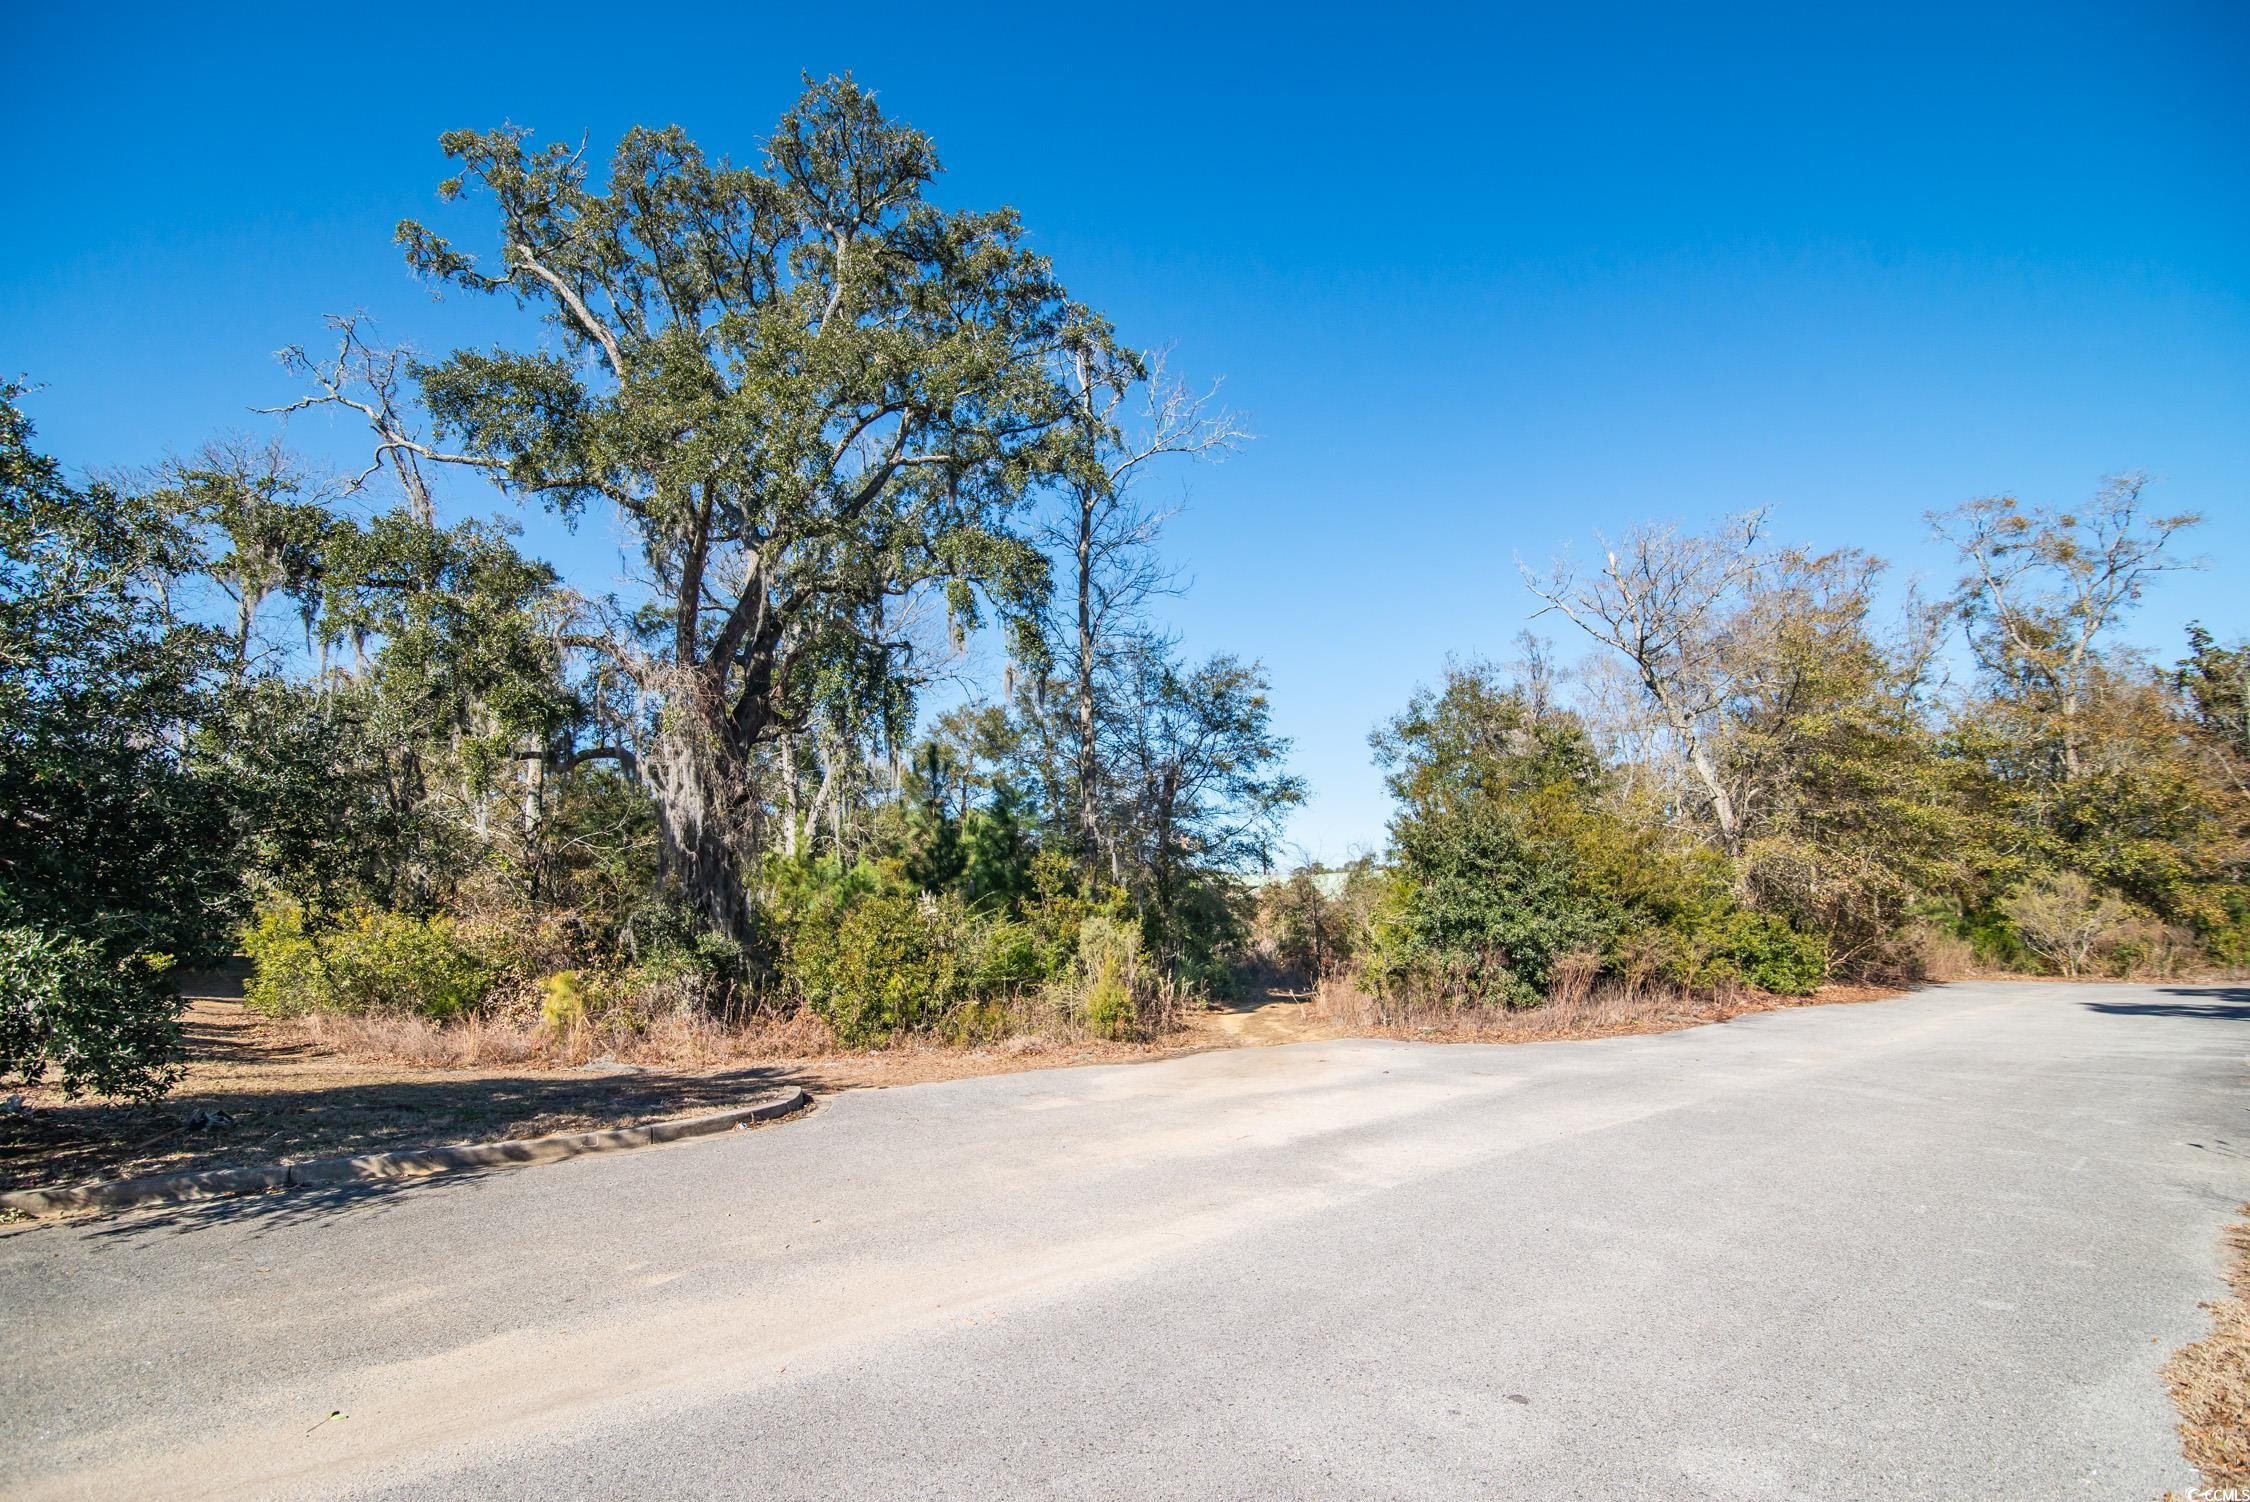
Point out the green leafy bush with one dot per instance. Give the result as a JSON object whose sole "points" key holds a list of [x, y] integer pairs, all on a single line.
{"points": [[285, 974], [1059, 908], [1489, 903], [106, 1024], [677, 967], [877, 956], [890, 963], [369, 961], [1492, 892], [1004, 956], [1762, 950], [2229, 944]]}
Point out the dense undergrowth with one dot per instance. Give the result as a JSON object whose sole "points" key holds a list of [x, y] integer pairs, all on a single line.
{"points": [[862, 949]]}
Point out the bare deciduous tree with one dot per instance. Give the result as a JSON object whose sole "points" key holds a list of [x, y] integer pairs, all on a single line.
{"points": [[2067, 921], [1662, 600], [370, 379], [2041, 590]]}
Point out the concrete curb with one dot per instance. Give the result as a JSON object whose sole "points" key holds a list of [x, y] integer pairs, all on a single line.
{"points": [[179, 1188]]}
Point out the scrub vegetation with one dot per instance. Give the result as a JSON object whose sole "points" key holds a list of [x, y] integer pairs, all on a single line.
{"points": [[1762, 782]]}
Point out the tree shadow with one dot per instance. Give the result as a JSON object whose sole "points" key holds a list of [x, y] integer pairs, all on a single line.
{"points": [[345, 1117], [2223, 1003], [275, 1210], [652, 1096]]}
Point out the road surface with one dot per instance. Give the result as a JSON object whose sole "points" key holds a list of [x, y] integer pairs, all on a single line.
{"points": [[1934, 1248]]}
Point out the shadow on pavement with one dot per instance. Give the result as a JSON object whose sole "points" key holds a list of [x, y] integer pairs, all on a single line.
{"points": [[345, 1118], [309, 1203], [278, 1210], [2224, 1003]]}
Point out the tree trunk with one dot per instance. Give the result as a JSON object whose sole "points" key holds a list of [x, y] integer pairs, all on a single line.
{"points": [[1089, 821], [1723, 812], [701, 803], [245, 621], [697, 861], [534, 803], [2070, 733], [1167, 951], [820, 799], [789, 796]]}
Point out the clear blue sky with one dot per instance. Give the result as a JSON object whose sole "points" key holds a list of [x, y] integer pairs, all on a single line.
{"points": [[1484, 281]]}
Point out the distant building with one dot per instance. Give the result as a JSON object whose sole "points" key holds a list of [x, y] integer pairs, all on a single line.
{"points": [[1329, 884]]}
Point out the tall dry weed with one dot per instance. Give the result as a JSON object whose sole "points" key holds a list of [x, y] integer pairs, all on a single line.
{"points": [[1580, 1003]]}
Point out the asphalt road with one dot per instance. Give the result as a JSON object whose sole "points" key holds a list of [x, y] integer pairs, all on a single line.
{"points": [[1927, 1248]]}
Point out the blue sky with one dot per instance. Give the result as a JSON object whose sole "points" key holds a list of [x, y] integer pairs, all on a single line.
{"points": [[1484, 281]]}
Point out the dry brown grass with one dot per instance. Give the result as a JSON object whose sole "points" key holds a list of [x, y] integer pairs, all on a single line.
{"points": [[2210, 1380], [261, 1090], [683, 1038], [1578, 1005], [1944, 956], [679, 1041]]}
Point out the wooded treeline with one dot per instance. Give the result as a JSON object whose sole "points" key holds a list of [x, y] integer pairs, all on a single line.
{"points": [[1764, 778], [885, 728], [854, 438]]}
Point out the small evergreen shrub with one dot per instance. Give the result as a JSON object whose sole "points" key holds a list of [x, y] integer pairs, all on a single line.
{"points": [[562, 1002], [876, 957], [1486, 906], [1762, 950], [890, 964]]}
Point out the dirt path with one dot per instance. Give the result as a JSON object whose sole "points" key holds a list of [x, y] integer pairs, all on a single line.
{"points": [[1263, 1017]]}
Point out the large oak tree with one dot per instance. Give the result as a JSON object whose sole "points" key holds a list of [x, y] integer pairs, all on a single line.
{"points": [[812, 395]]}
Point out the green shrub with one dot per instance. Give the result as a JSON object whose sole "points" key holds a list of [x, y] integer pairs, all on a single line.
{"points": [[368, 961], [1059, 907], [106, 1024], [1994, 942], [891, 963], [1004, 957], [1487, 902], [681, 969], [1203, 937], [2228, 944], [1762, 950], [1108, 977], [1489, 897], [876, 957]]}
